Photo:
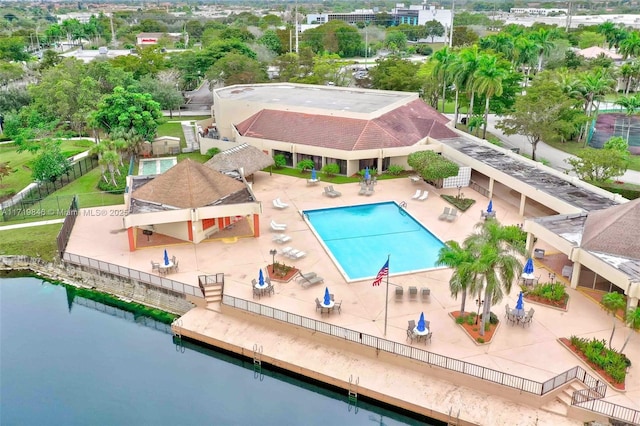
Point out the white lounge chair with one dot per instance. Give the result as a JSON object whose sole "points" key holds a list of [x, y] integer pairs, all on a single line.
{"points": [[424, 196], [445, 214], [278, 204], [278, 226], [295, 254], [416, 195], [281, 238]]}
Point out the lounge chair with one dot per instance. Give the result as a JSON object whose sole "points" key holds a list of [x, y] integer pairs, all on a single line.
{"points": [[306, 276], [285, 251], [307, 280], [296, 254], [425, 293], [527, 319], [281, 238], [329, 193], [416, 195], [278, 226], [369, 191], [424, 196], [413, 292], [452, 216], [334, 192], [363, 190], [399, 292], [445, 214], [279, 204]]}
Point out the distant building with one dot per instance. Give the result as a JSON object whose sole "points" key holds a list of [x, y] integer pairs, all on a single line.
{"points": [[536, 11], [82, 17], [146, 39]]}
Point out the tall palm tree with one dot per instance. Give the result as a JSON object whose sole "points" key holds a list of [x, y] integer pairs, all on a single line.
{"points": [[612, 303], [465, 73], [496, 264], [631, 104], [630, 46], [595, 85], [632, 319], [488, 81], [461, 260], [525, 55], [608, 30], [543, 40], [443, 57]]}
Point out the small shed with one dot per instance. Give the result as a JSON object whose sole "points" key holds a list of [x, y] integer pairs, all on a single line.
{"points": [[166, 145]]}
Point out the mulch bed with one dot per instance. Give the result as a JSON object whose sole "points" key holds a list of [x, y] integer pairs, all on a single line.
{"points": [[561, 304], [603, 374], [473, 331], [282, 278]]}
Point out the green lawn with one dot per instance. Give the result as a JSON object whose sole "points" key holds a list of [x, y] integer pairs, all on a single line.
{"points": [[20, 163], [172, 129], [39, 241], [575, 147]]}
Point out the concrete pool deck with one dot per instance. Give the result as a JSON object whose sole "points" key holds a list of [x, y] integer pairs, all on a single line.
{"points": [[531, 352]]}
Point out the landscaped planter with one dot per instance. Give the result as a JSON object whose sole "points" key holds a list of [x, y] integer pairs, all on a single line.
{"points": [[281, 273], [473, 330]]}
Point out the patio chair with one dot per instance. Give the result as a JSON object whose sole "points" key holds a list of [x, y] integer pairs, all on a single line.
{"points": [[173, 259], [428, 337], [411, 324], [424, 196], [452, 216], [332, 296], [416, 195], [363, 190], [512, 318], [330, 193], [369, 191], [334, 192], [303, 277], [254, 282], [427, 324], [507, 310], [257, 292], [337, 306], [445, 214], [278, 226], [527, 318], [296, 254], [413, 293], [281, 238], [174, 268], [155, 266], [399, 292], [318, 305], [410, 335], [308, 282], [425, 293], [278, 204], [271, 289]]}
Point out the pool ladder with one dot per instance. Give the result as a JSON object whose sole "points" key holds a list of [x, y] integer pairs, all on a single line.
{"points": [[353, 393], [257, 362], [176, 326]]}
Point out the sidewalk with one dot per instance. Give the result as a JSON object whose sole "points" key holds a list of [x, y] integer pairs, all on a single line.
{"points": [[30, 224], [555, 157]]}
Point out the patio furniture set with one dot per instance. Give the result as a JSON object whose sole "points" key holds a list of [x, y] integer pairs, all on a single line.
{"points": [[425, 293], [165, 268], [264, 289], [419, 334], [309, 279], [328, 307], [519, 316]]}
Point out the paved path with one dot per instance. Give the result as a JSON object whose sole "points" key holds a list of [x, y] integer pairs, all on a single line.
{"points": [[30, 224]]}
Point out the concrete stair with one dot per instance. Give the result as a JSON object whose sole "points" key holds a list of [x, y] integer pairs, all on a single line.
{"points": [[562, 402], [213, 293]]}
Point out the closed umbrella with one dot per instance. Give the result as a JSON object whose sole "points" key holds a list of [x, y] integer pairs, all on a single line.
{"points": [[527, 272], [261, 278], [367, 176], [314, 175], [421, 324], [520, 303], [166, 258], [490, 206], [327, 296]]}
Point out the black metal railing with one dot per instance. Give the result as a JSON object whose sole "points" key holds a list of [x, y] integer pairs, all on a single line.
{"points": [[67, 226]]}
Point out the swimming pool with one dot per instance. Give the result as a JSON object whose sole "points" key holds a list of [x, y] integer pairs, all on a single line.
{"points": [[359, 238], [156, 166]]}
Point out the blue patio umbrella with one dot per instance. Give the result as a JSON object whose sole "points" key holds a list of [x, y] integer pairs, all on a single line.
{"points": [[261, 278], [314, 175], [421, 323], [166, 257], [327, 296], [520, 303], [528, 267], [490, 206], [367, 176]]}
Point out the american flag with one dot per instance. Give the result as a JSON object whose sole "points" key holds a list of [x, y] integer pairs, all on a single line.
{"points": [[383, 273]]}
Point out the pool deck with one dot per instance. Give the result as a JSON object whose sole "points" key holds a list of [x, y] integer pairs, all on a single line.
{"points": [[531, 352]]}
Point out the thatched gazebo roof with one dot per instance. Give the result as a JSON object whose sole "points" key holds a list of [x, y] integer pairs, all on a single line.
{"points": [[187, 185], [246, 157]]}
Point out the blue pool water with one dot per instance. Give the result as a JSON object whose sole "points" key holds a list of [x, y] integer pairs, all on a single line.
{"points": [[359, 238], [156, 166]]}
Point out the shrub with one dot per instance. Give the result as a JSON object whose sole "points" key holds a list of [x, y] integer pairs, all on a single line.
{"points": [[459, 320], [395, 169], [613, 363], [280, 160], [493, 318], [470, 319], [331, 169], [372, 172], [551, 291], [121, 182], [487, 327], [305, 165], [480, 340], [213, 151]]}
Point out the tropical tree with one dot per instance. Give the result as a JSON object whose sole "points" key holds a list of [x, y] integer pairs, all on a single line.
{"points": [[630, 46], [432, 166], [595, 85], [612, 303], [235, 68], [464, 279], [632, 319], [5, 170], [631, 104], [496, 264], [434, 29], [488, 81], [463, 69], [543, 41], [443, 57], [599, 165], [475, 123], [51, 163]]}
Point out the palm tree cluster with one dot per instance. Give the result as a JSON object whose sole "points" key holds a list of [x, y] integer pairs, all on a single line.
{"points": [[486, 265]]}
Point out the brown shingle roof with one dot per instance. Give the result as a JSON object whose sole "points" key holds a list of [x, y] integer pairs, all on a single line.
{"points": [[188, 184], [611, 230], [404, 126], [247, 157]]}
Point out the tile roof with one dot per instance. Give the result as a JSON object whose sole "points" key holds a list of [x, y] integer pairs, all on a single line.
{"points": [[612, 230], [403, 126], [188, 184], [247, 157]]}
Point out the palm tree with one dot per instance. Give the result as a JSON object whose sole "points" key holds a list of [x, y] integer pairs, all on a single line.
{"points": [[612, 303], [632, 319], [525, 54], [630, 46], [461, 259], [99, 149], [595, 85], [464, 74], [443, 57], [631, 104], [543, 40], [496, 265], [475, 122], [608, 30], [488, 81]]}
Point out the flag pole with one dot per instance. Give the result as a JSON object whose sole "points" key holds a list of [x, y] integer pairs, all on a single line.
{"points": [[386, 300]]}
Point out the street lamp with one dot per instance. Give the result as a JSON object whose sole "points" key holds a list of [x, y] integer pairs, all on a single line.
{"points": [[479, 302], [273, 260]]}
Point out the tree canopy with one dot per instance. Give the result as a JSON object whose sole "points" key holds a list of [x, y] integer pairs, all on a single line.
{"points": [[432, 166]]}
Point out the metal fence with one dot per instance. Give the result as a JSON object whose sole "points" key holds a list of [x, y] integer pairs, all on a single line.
{"points": [[588, 399], [160, 283], [67, 226]]}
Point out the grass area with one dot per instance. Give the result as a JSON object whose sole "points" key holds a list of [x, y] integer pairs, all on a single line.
{"points": [[289, 171], [21, 163], [195, 156], [39, 241], [174, 130], [575, 147]]}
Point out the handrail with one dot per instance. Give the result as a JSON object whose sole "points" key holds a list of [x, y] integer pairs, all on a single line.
{"points": [[588, 399], [165, 284]]}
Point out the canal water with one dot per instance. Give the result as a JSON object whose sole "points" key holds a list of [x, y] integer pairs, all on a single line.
{"points": [[72, 361]]}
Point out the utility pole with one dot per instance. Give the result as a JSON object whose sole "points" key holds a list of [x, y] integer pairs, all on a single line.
{"points": [[451, 29], [296, 20], [113, 31], [569, 17]]}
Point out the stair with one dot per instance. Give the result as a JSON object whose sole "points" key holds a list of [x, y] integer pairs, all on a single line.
{"points": [[562, 402], [213, 293]]}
